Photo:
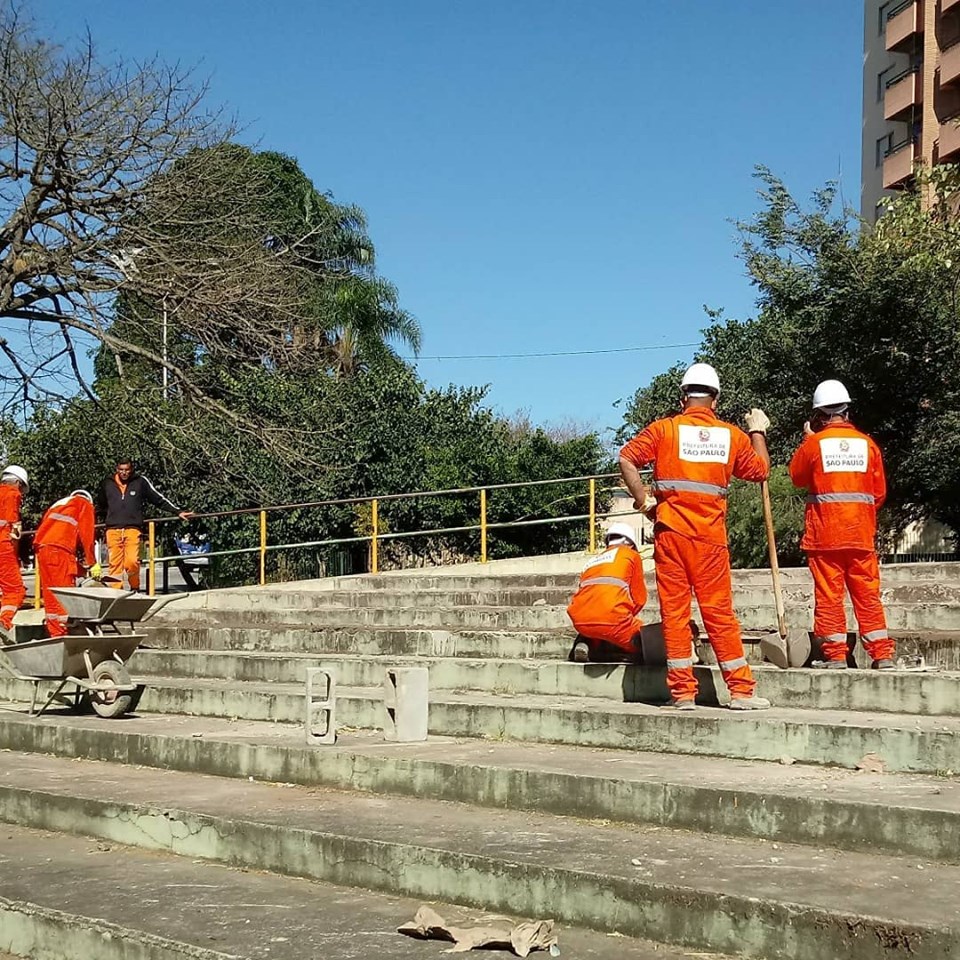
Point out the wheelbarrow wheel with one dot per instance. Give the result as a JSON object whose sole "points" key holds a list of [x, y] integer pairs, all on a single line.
{"points": [[110, 703]]}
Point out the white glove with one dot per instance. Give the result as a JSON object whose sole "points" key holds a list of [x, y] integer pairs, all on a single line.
{"points": [[649, 506], [757, 421]]}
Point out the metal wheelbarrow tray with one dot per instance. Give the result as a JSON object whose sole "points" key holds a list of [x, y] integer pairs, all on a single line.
{"points": [[91, 657], [92, 665]]}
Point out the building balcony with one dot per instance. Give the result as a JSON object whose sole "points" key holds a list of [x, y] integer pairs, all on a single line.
{"points": [[904, 24], [898, 163], [949, 145], [902, 94], [950, 65]]}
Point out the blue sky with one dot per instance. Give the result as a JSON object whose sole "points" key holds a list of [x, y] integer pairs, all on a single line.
{"points": [[539, 175]]}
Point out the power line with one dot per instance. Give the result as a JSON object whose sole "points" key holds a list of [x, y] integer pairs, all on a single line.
{"points": [[559, 353]]}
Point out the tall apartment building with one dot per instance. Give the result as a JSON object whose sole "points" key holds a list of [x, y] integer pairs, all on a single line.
{"points": [[911, 92]]}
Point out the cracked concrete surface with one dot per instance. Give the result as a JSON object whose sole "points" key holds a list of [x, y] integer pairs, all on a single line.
{"points": [[667, 884], [890, 812], [244, 913]]}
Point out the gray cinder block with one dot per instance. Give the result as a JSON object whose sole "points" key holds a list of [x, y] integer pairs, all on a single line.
{"points": [[320, 721], [405, 701]]}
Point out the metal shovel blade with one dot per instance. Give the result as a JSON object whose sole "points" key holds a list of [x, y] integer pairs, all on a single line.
{"points": [[794, 651]]}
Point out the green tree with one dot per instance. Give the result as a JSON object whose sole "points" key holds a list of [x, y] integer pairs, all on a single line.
{"points": [[874, 307]]}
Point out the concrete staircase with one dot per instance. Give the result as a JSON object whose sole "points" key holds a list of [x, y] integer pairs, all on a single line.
{"points": [[546, 789]]}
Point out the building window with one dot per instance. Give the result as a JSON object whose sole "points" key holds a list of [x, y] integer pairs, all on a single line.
{"points": [[882, 17], [882, 77], [883, 146]]}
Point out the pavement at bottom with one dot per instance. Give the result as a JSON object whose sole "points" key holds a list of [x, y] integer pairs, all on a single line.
{"points": [[246, 913]]}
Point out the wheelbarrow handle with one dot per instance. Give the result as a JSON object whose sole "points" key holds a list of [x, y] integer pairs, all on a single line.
{"points": [[160, 603]]}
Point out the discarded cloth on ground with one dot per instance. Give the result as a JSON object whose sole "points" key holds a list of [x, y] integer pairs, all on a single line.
{"points": [[522, 939]]}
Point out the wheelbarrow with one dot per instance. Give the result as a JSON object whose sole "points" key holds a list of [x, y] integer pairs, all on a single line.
{"points": [[88, 663]]}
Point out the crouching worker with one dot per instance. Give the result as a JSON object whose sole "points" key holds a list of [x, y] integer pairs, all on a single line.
{"points": [[605, 610], [65, 527]]}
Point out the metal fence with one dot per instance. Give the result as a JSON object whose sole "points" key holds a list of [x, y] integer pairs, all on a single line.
{"points": [[594, 490]]}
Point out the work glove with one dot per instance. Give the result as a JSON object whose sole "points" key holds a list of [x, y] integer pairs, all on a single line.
{"points": [[757, 421], [96, 571], [648, 507], [16, 531]]}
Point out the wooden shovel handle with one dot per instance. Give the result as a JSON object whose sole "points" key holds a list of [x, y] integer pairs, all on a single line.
{"points": [[774, 564]]}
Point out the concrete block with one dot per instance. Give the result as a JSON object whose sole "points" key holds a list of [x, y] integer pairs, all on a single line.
{"points": [[406, 704], [320, 722]]}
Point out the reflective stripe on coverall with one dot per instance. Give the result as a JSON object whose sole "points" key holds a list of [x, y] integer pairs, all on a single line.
{"points": [[609, 599], [695, 455], [842, 471], [12, 590]]}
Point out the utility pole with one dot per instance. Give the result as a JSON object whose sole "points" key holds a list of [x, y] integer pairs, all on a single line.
{"points": [[166, 373]]}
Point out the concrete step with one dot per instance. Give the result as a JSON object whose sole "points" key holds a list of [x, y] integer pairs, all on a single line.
{"points": [[367, 602], [372, 640], [309, 599], [409, 597], [910, 744], [691, 889], [341, 615], [933, 694], [927, 606], [476, 576], [889, 812], [752, 614], [156, 904]]}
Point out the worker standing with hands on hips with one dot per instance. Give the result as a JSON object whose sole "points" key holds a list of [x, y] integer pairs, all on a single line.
{"points": [[605, 610], [66, 526], [121, 502], [842, 470], [694, 456], [13, 486]]}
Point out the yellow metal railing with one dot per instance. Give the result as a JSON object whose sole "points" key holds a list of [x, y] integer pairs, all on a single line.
{"points": [[378, 535]]}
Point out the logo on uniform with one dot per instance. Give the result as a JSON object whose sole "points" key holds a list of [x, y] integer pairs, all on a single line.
{"points": [[704, 436], [845, 446], [133, 493]]}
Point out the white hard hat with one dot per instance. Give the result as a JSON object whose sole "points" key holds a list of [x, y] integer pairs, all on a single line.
{"points": [[700, 375], [623, 530], [830, 393], [18, 473], [86, 494]]}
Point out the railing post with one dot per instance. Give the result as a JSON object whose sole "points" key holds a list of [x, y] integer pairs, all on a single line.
{"points": [[151, 558], [375, 524], [483, 526], [263, 547], [593, 516], [36, 582]]}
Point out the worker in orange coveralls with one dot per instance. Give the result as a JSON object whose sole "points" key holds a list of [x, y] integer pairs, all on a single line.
{"points": [[694, 455], [13, 486], [842, 471], [605, 610], [67, 525]]}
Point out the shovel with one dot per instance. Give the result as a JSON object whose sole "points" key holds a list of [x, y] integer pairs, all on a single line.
{"points": [[774, 564]]}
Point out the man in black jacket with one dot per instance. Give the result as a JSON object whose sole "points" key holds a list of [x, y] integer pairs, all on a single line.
{"points": [[120, 502]]}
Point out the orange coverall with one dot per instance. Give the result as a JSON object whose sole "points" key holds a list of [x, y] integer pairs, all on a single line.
{"points": [[609, 598], [66, 525], [694, 456], [842, 471], [12, 590]]}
